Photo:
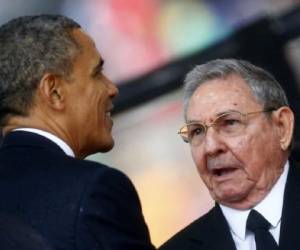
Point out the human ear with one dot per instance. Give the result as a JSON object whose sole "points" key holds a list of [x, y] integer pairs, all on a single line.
{"points": [[51, 91], [284, 119]]}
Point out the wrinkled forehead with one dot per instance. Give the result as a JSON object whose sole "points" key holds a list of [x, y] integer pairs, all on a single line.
{"points": [[220, 95]]}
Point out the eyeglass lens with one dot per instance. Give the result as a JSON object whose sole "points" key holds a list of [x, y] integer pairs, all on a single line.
{"points": [[227, 124]]}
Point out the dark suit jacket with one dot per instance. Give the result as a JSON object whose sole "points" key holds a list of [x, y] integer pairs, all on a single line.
{"points": [[16, 235], [74, 204], [211, 231]]}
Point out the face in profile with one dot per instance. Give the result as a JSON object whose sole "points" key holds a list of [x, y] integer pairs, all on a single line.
{"points": [[89, 100], [239, 169]]}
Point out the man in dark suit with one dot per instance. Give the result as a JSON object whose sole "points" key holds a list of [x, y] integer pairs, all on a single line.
{"points": [[55, 109], [240, 127]]}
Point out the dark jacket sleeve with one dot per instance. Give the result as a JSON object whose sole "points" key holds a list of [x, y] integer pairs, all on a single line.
{"points": [[111, 213]]}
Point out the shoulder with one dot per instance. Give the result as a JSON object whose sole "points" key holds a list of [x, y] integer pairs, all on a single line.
{"points": [[104, 182], [109, 184], [88, 170], [105, 176], [199, 228], [83, 180]]}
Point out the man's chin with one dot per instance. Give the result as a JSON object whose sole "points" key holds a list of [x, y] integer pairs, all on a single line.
{"points": [[105, 147], [108, 148], [228, 195], [101, 146]]}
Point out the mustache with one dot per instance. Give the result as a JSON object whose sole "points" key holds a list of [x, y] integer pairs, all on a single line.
{"points": [[222, 162], [219, 163]]}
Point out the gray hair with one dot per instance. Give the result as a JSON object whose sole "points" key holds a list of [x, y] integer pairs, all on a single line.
{"points": [[31, 46], [263, 85]]}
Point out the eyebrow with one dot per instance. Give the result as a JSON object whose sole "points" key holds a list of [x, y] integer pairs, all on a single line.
{"points": [[226, 111], [98, 68], [192, 121], [217, 115]]}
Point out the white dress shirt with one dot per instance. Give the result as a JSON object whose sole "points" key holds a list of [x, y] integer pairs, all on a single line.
{"points": [[64, 146], [270, 207]]}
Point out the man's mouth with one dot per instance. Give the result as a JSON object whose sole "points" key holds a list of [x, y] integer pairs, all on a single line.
{"points": [[109, 110], [223, 171]]}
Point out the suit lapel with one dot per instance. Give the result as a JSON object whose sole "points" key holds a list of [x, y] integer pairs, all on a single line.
{"points": [[290, 221], [214, 234]]}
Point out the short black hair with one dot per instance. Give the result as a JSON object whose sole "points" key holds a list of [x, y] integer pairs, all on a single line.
{"points": [[31, 46]]}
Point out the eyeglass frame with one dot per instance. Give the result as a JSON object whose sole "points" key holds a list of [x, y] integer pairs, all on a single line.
{"points": [[207, 126]]}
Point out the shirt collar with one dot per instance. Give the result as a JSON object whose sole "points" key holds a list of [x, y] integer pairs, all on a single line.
{"points": [[237, 219], [64, 146]]}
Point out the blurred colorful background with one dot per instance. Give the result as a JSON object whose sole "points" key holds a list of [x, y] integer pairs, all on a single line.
{"points": [[149, 43]]}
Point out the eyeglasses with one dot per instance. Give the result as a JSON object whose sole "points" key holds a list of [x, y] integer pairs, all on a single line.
{"points": [[231, 123]]}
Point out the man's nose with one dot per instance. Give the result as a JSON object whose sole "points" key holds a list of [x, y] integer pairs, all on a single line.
{"points": [[112, 88], [213, 144]]}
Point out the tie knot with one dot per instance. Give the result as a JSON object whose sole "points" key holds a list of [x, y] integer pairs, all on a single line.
{"points": [[256, 222]]}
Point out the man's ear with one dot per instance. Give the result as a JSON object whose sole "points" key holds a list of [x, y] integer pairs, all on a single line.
{"points": [[51, 91], [284, 119]]}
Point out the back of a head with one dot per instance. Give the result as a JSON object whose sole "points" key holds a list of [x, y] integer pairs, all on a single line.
{"points": [[31, 46]]}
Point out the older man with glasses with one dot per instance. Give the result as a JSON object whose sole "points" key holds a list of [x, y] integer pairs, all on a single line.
{"points": [[239, 127]]}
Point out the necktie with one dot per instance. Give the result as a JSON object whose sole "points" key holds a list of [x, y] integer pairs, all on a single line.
{"points": [[260, 227]]}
